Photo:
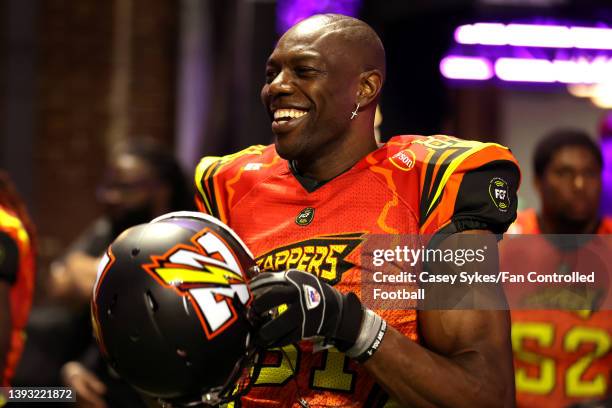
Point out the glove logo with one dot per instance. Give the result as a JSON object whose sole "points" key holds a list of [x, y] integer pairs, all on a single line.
{"points": [[313, 297]]}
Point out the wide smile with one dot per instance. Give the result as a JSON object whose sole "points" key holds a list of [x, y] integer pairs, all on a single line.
{"points": [[285, 120]]}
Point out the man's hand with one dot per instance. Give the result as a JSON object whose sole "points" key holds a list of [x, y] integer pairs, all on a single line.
{"points": [[88, 388], [72, 279], [315, 310]]}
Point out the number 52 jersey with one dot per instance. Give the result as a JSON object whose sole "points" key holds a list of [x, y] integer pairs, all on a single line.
{"points": [[410, 185]]}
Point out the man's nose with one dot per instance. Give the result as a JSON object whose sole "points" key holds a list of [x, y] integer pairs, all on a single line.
{"points": [[579, 182], [281, 85]]}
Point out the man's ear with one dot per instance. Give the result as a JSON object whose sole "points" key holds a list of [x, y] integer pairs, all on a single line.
{"points": [[370, 85]]}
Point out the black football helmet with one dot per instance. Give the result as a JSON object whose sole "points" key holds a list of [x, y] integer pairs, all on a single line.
{"points": [[169, 310]]}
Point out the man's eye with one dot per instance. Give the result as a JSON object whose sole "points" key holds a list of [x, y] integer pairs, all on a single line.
{"points": [[305, 70], [565, 173]]}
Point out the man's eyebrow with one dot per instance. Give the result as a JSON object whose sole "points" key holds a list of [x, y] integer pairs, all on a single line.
{"points": [[297, 57], [304, 55]]}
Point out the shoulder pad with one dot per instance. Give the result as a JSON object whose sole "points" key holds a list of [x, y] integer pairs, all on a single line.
{"points": [[222, 180]]}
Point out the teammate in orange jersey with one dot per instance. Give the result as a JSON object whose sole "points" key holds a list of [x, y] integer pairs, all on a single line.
{"points": [[309, 201], [563, 357], [17, 269]]}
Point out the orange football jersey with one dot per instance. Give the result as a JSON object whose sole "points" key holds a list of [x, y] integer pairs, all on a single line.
{"points": [[21, 292], [560, 357], [410, 185]]}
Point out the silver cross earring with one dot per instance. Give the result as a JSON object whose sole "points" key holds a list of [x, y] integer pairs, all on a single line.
{"points": [[355, 112]]}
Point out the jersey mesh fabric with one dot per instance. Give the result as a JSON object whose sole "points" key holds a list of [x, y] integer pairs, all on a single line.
{"points": [[256, 194]]}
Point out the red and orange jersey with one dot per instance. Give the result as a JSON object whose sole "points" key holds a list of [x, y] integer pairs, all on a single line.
{"points": [[21, 292], [560, 357], [410, 185]]}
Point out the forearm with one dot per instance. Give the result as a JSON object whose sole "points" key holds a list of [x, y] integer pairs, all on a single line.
{"points": [[416, 376]]}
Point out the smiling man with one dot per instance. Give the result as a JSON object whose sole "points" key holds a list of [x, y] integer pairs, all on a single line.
{"points": [[305, 206]]}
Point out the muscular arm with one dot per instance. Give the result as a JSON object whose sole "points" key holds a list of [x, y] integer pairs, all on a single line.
{"points": [[464, 360]]}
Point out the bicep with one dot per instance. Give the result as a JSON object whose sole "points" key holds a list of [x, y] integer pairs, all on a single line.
{"points": [[455, 332], [478, 338]]}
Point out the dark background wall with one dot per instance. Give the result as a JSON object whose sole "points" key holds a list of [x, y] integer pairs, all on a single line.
{"points": [[77, 76]]}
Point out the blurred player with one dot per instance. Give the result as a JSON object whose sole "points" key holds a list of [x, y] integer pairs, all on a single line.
{"points": [[308, 203], [142, 180], [17, 272], [562, 357]]}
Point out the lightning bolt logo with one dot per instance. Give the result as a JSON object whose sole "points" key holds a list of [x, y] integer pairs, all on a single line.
{"points": [[208, 275]]}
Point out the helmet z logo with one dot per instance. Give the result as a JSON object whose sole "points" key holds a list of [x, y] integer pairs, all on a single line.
{"points": [[208, 275]]}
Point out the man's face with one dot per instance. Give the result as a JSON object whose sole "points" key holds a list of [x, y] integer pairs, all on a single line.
{"points": [[311, 88], [571, 185], [128, 191]]}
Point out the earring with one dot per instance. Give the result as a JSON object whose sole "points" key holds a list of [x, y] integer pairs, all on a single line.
{"points": [[355, 112]]}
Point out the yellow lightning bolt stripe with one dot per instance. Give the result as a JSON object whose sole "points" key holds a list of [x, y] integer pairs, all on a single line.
{"points": [[9, 221], [474, 148], [211, 274], [204, 165]]}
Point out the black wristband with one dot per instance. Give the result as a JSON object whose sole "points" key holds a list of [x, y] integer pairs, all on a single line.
{"points": [[362, 358]]}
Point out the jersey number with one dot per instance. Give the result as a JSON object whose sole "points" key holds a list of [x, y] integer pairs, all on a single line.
{"points": [[575, 386], [334, 375]]}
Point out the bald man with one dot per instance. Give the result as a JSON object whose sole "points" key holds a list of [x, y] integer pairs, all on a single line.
{"points": [[305, 207]]}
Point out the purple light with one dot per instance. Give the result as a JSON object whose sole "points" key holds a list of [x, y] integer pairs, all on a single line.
{"points": [[538, 36], [473, 34], [580, 71], [291, 12], [524, 70], [589, 37], [475, 68], [535, 35]]}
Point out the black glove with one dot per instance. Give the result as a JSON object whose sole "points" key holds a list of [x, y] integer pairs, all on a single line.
{"points": [[315, 311]]}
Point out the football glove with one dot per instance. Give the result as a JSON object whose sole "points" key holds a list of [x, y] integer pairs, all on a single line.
{"points": [[314, 311]]}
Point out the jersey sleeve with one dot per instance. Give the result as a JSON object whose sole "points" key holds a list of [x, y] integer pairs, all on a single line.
{"points": [[221, 181], [467, 185], [9, 258], [206, 193]]}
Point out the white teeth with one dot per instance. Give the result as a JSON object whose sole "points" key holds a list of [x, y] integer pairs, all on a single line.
{"points": [[288, 113]]}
